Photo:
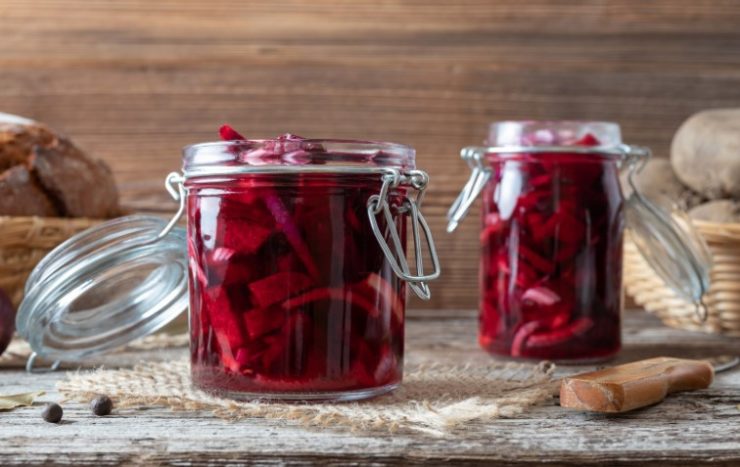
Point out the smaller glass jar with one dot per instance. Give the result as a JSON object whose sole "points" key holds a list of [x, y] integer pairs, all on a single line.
{"points": [[294, 260], [553, 215]]}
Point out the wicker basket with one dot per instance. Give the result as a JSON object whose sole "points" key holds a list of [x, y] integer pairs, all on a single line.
{"points": [[722, 300], [25, 240]]}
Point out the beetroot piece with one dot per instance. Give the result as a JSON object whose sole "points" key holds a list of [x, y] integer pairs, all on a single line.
{"points": [[278, 287], [229, 134], [283, 219], [7, 321], [587, 140], [291, 292], [551, 259]]}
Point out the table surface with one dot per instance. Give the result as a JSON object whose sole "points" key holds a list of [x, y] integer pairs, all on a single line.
{"points": [[687, 428]]}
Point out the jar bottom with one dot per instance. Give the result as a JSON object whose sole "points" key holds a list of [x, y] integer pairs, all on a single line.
{"points": [[333, 396], [560, 361]]}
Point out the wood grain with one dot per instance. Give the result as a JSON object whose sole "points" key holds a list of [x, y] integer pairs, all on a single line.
{"points": [[693, 428], [133, 80]]}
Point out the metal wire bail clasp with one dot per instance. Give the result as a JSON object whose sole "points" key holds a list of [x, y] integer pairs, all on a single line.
{"points": [[478, 178], [174, 183], [635, 158], [378, 204]]}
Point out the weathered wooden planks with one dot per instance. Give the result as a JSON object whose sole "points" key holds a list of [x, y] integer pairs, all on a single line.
{"points": [[686, 429]]}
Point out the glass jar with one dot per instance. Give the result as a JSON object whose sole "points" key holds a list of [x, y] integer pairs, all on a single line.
{"points": [[553, 216], [294, 259], [292, 295]]}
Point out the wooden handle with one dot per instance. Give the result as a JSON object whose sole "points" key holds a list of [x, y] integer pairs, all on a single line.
{"points": [[634, 385]]}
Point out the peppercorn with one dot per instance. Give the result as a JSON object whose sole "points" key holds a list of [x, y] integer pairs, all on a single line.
{"points": [[52, 413], [101, 405]]}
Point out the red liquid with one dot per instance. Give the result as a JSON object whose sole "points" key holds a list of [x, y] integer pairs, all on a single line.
{"points": [[290, 292], [551, 267]]}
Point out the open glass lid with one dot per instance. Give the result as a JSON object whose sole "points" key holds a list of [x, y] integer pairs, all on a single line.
{"points": [[104, 288], [666, 238]]}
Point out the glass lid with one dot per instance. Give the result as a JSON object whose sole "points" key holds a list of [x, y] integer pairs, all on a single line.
{"points": [[665, 237], [104, 288], [662, 232]]}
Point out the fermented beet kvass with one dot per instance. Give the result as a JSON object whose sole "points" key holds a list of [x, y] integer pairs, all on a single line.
{"points": [[291, 295]]}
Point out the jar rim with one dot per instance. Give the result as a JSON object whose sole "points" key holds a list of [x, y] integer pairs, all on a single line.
{"points": [[553, 133], [525, 153], [304, 141], [554, 122], [284, 152]]}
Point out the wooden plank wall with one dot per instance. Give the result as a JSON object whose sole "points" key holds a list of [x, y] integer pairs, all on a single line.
{"points": [[134, 80]]}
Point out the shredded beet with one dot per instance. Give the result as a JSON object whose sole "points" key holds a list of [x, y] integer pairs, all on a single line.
{"points": [[229, 134], [291, 291], [551, 265]]}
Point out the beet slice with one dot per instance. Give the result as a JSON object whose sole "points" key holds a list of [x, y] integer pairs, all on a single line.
{"points": [[387, 368], [198, 272], [587, 140], [559, 335], [342, 295], [535, 260], [229, 134], [244, 237], [292, 233], [385, 291], [227, 328], [521, 336], [278, 287], [493, 224], [541, 296], [263, 321]]}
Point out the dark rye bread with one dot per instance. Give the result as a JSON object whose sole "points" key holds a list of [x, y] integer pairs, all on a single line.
{"points": [[20, 195], [43, 174]]}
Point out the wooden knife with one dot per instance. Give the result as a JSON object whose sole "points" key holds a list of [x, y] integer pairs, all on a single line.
{"points": [[638, 384]]}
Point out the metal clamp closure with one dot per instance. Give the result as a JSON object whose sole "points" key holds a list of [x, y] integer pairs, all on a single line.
{"points": [[479, 176], [411, 203], [175, 185]]}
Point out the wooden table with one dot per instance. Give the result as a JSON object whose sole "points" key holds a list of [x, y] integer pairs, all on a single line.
{"points": [[690, 428]]}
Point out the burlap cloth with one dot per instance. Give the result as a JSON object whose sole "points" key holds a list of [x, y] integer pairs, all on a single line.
{"points": [[435, 399]]}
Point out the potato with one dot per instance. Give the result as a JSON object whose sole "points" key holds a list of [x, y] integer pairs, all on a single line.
{"points": [[705, 153], [657, 179], [722, 210]]}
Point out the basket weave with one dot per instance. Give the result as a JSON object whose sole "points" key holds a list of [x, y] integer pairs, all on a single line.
{"points": [[722, 300], [24, 241]]}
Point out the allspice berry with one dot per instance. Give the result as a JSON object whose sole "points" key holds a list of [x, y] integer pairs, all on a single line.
{"points": [[52, 413], [101, 405]]}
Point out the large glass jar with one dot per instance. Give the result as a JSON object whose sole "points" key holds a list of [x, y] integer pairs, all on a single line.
{"points": [[553, 216], [292, 295]]}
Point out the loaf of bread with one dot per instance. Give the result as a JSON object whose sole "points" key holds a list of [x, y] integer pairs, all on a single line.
{"points": [[45, 174]]}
